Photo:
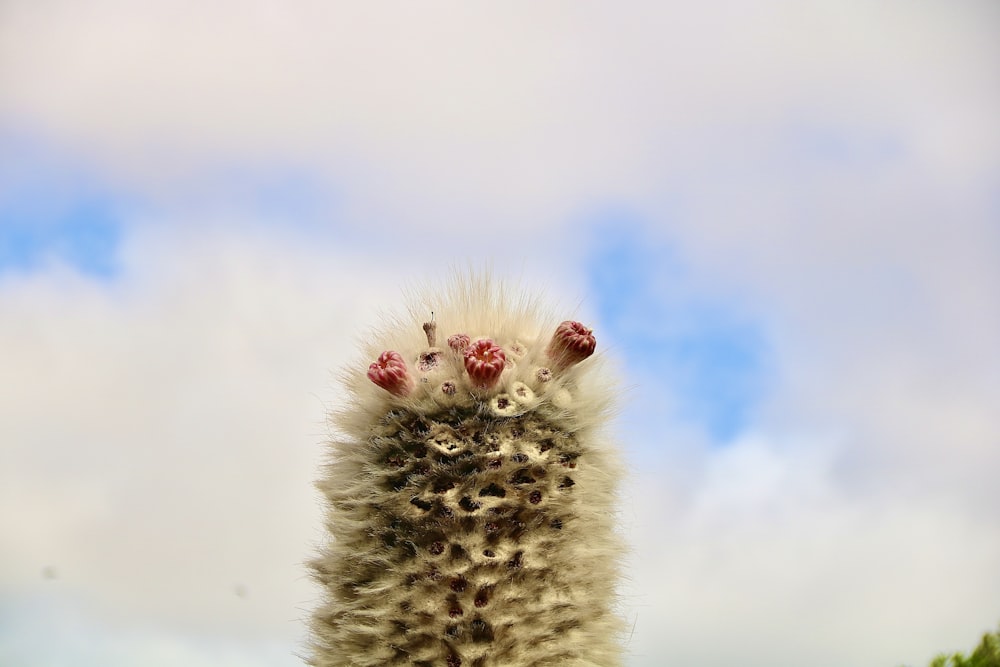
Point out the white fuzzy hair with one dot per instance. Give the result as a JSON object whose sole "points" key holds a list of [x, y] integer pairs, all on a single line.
{"points": [[471, 527]]}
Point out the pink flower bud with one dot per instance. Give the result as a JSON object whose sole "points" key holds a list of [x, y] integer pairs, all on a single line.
{"points": [[390, 373], [571, 344], [484, 362], [458, 342]]}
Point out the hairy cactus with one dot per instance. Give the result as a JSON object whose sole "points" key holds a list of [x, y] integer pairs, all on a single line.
{"points": [[471, 497]]}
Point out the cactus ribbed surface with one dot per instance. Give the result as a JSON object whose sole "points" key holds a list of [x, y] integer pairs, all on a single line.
{"points": [[471, 495]]}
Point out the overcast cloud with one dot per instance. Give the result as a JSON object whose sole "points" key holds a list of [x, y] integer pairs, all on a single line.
{"points": [[781, 219]]}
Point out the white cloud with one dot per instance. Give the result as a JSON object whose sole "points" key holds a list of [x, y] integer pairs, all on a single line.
{"points": [[48, 629], [503, 114], [829, 170], [161, 434], [770, 560]]}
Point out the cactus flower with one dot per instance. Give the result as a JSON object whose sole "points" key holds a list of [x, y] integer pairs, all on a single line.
{"points": [[571, 343], [390, 373], [484, 362]]}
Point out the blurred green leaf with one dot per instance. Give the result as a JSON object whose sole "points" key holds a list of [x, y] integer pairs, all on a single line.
{"points": [[986, 654]]}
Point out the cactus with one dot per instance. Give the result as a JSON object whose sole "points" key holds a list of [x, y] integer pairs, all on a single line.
{"points": [[470, 494]]}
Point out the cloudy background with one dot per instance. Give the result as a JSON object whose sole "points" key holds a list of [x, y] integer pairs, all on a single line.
{"points": [[782, 219]]}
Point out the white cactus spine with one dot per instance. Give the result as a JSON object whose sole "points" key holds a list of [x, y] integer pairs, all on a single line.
{"points": [[472, 495]]}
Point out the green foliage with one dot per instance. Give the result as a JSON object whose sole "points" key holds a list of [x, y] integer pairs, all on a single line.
{"points": [[987, 654]]}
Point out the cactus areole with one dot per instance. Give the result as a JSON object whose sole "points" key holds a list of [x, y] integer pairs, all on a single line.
{"points": [[471, 496]]}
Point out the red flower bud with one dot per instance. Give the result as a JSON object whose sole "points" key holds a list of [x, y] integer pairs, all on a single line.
{"points": [[484, 362], [571, 344], [390, 373]]}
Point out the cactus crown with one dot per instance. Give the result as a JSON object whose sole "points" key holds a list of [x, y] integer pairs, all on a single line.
{"points": [[471, 497]]}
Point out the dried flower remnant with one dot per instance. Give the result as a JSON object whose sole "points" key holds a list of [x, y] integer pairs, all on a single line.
{"points": [[459, 342], [429, 360], [430, 330]]}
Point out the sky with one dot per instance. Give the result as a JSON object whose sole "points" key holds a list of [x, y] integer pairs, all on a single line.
{"points": [[782, 220]]}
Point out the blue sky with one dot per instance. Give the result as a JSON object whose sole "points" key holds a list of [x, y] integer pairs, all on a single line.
{"points": [[82, 234], [52, 212], [711, 358], [781, 221]]}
